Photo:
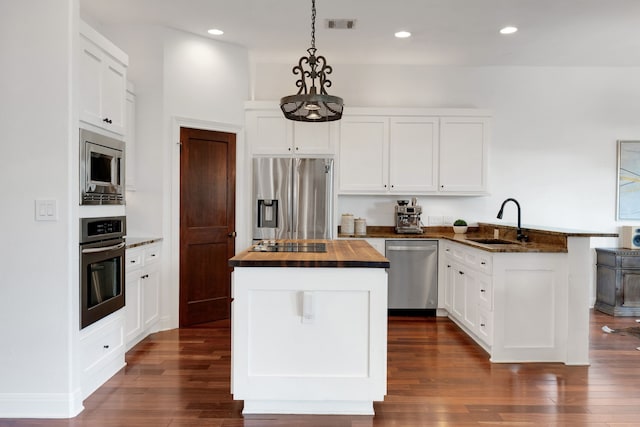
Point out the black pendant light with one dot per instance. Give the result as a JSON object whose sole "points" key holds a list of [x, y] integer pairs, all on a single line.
{"points": [[312, 103]]}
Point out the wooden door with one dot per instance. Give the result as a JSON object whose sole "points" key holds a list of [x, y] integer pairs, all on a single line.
{"points": [[207, 224]]}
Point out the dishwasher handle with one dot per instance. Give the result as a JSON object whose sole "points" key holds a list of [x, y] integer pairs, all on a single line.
{"points": [[412, 248]]}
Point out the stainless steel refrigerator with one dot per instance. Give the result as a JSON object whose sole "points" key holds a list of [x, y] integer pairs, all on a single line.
{"points": [[292, 198]]}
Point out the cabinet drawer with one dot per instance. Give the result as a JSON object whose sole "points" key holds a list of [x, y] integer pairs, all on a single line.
{"points": [[133, 259], [100, 343], [151, 254], [485, 325], [630, 262], [485, 290]]}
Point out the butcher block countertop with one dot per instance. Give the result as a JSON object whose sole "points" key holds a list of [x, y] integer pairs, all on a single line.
{"points": [[339, 254]]}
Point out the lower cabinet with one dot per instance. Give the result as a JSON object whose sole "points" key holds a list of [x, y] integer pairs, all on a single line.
{"points": [[468, 289], [514, 305], [101, 351], [142, 297]]}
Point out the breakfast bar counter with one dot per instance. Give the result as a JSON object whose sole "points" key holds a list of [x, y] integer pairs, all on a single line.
{"points": [[309, 329]]}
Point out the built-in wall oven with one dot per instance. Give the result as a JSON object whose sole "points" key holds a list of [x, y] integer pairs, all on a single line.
{"points": [[101, 169], [102, 249]]}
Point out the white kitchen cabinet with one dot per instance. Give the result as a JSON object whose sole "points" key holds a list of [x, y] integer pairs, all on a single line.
{"points": [[417, 154], [142, 297], [103, 82], [364, 155], [101, 351], [463, 154], [269, 133], [130, 138], [388, 155], [511, 304]]}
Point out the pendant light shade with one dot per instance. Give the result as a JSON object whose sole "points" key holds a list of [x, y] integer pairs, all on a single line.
{"points": [[312, 103]]}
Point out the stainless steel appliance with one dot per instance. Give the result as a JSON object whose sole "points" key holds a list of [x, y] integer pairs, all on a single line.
{"points": [[408, 217], [101, 267], [292, 198], [101, 169], [413, 276]]}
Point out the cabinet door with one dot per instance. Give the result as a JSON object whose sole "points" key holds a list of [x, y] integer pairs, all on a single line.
{"points": [[364, 155], [413, 154], [268, 132], [463, 154], [313, 138], [151, 297], [133, 309], [471, 290], [458, 287], [114, 89], [102, 88], [89, 75], [448, 283]]}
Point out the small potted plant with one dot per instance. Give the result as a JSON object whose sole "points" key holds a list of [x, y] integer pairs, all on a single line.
{"points": [[460, 226]]}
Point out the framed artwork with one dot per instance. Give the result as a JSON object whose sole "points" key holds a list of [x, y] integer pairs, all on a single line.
{"points": [[628, 191]]}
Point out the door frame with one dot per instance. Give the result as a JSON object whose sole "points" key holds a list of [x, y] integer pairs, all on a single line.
{"points": [[171, 300]]}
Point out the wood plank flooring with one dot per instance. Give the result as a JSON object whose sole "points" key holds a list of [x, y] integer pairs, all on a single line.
{"points": [[437, 377]]}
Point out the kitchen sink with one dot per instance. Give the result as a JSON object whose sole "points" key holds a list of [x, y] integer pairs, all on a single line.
{"points": [[490, 241]]}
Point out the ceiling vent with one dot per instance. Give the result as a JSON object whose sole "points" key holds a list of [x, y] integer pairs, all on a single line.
{"points": [[341, 24]]}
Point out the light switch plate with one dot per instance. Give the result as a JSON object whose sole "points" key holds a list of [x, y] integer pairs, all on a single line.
{"points": [[46, 210]]}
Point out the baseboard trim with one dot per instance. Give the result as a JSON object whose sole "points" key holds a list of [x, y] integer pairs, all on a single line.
{"points": [[41, 405]]}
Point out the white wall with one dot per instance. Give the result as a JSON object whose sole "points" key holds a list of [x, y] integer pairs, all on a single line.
{"points": [[554, 134], [38, 260]]}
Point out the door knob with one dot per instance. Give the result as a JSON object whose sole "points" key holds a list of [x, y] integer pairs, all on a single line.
{"points": [[232, 234]]}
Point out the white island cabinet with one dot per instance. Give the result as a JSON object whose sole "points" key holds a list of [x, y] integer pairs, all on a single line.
{"points": [[309, 331]]}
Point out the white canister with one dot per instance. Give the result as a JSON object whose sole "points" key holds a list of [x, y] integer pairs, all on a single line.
{"points": [[347, 224], [360, 225]]}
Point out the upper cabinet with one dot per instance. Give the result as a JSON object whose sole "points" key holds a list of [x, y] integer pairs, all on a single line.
{"points": [[269, 133], [413, 151], [463, 154], [103, 81]]}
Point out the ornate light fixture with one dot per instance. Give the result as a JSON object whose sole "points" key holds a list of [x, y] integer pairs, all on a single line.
{"points": [[308, 105]]}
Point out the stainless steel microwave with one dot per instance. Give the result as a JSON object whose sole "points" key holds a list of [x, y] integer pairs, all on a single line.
{"points": [[101, 169]]}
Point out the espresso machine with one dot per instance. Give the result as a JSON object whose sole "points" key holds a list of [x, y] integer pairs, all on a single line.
{"points": [[408, 217]]}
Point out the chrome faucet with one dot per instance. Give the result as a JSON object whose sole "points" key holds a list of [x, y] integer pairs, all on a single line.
{"points": [[520, 236]]}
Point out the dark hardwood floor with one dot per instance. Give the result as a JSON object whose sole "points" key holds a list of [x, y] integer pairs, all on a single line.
{"points": [[437, 377]]}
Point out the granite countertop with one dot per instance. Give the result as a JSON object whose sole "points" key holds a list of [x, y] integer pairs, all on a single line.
{"points": [[541, 239], [134, 242], [340, 254]]}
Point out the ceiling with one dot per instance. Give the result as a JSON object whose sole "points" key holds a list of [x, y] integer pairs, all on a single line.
{"points": [[445, 32]]}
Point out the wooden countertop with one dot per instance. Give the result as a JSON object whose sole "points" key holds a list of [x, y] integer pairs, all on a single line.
{"points": [[340, 254], [540, 239]]}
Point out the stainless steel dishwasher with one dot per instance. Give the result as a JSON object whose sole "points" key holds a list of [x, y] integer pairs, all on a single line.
{"points": [[413, 276]]}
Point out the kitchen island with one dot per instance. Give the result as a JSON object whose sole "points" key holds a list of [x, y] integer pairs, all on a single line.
{"points": [[309, 329]]}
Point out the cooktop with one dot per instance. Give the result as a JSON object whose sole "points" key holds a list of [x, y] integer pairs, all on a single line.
{"points": [[266, 246]]}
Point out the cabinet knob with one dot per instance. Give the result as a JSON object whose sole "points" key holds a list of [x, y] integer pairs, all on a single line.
{"points": [[482, 290], [482, 325], [448, 266], [105, 346], [461, 272], [297, 148], [107, 120], [289, 148], [483, 263]]}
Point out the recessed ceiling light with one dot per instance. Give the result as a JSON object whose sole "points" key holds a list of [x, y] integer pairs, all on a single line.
{"points": [[508, 30], [215, 32], [402, 34]]}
